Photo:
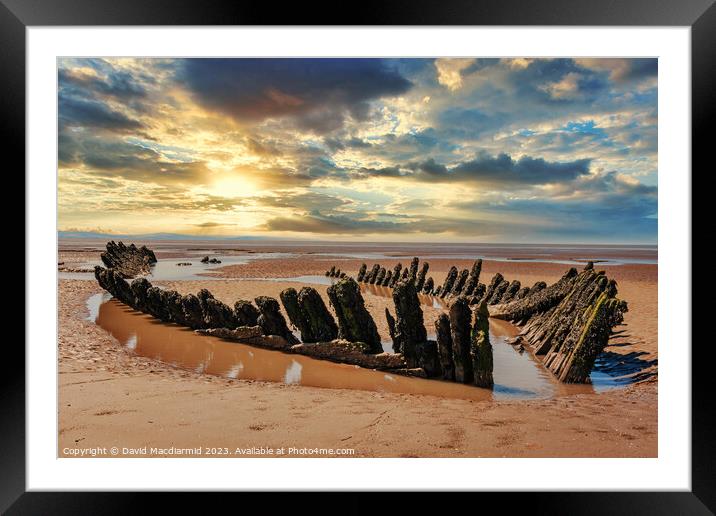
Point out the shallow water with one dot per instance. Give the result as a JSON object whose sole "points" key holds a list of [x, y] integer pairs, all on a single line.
{"points": [[518, 375], [167, 269]]}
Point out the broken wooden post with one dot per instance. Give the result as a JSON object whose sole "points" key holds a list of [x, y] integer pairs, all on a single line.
{"points": [[396, 275], [449, 281], [354, 322], [245, 313], [444, 340], [361, 273], [420, 281], [459, 283], [414, 268], [271, 320], [511, 292], [429, 285], [320, 325], [499, 291], [379, 277], [473, 279], [480, 347], [391, 330], [409, 326], [460, 319]]}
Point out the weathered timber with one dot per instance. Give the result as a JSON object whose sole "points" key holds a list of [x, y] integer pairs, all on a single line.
{"points": [[245, 313], [429, 286], [449, 281], [289, 300], [473, 279], [540, 285], [479, 291], [128, 261], [361, 273], [460, 283], [252, 335], [569, 322], [271, 320], [320, 325], [174, 306], [341, 351], [388, 277], [380, 276], [414, 268], [396, 275], [354, 322], [217, 315], [193, 314], [372, 274], [511, 292], [499, 291], [391, 330], [354, 353], [156, 305], [460, 319], [409, 325], [420, 281], [494, 282], [113, 282], [481, 348], [538, 301], [444, 341]]}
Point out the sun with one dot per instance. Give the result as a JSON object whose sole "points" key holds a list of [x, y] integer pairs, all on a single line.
{"points": [[233, 186]]}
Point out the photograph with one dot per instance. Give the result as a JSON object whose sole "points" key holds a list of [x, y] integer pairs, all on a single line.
{"points": [[359, 257]]}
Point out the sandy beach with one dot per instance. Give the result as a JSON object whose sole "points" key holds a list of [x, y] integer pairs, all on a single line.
{"points": [[111, 396]]}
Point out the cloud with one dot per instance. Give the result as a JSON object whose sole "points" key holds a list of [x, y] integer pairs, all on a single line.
{"points": [[310, 201], [209, 225], [318, 93], [623, 70], [356, 224], [527, 170], [117, 158], [488, 148], [449, 71], [115, 83], [500, 169], [76, 112]]}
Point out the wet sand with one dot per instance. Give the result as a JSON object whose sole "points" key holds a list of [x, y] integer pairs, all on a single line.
{"points": [[110, 396]]}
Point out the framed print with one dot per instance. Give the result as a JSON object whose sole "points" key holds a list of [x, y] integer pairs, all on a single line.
{"points": [[419, 253]]}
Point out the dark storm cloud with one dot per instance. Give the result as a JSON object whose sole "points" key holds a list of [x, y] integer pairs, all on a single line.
{"points": [[118, 84], [501, 169], [527, 170], [318, 93], [532, 82], [79, 112], [639, 69], [113, 158]]}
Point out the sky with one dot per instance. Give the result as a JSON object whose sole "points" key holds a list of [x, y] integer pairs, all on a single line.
{"points": [[454, 150]]}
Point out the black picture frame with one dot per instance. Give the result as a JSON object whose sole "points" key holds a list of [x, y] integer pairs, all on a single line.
{"points": [[700, 15]]}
